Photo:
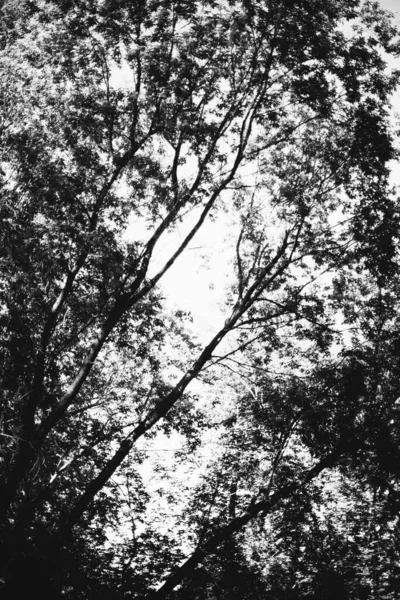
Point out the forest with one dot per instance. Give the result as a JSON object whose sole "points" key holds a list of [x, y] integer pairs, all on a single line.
{"points": [[199, 300]]}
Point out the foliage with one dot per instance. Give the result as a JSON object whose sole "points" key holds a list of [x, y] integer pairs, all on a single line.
{"points": [[122, 124]]}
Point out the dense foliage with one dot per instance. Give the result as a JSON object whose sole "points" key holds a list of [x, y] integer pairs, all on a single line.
{"points": [[135, 460]]}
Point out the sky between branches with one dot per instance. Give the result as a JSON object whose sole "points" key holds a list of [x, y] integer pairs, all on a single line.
{"points": [[198, 280]]}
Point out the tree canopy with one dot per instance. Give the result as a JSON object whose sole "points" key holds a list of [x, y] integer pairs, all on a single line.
{"points": [[138, 460]]}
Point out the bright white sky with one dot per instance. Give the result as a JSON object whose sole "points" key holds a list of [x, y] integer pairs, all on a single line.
{"points": [[393, 5], [197, 280]]}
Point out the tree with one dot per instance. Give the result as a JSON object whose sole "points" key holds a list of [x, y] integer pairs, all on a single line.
{"points": [[146, 112], [336, 536]]}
